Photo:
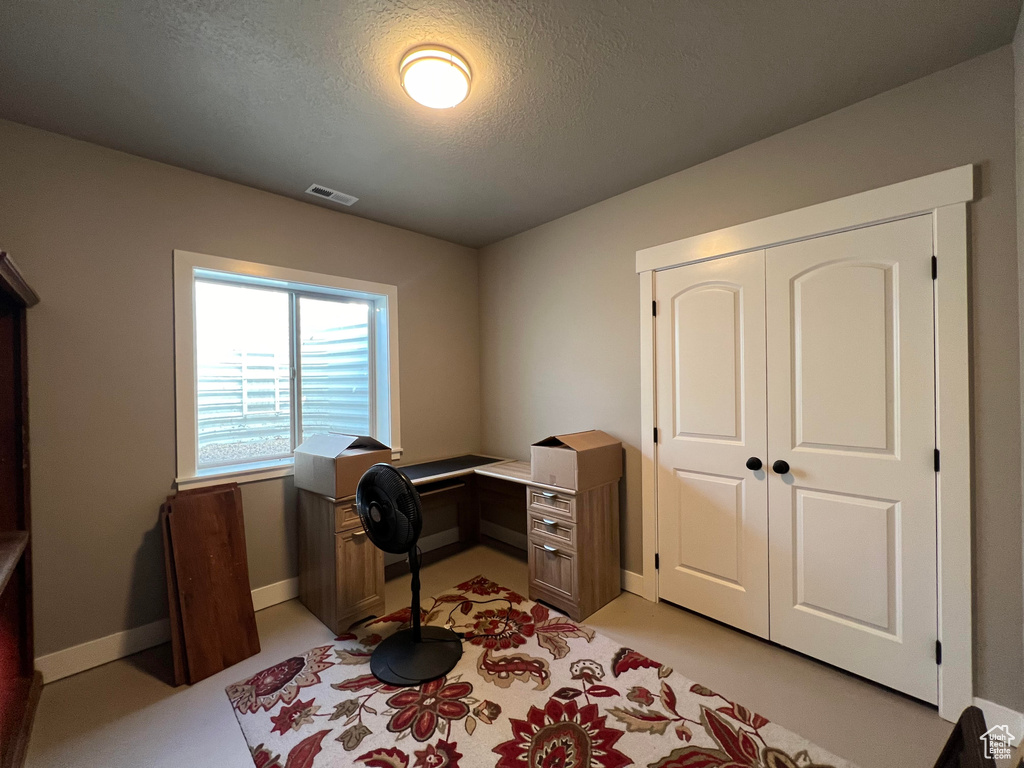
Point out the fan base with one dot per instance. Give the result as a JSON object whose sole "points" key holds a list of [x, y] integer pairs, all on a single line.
{"points": [[400, 660]]}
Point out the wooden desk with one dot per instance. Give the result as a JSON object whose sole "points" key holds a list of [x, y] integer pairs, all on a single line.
{"points": [[446, 469], [471, 487], [341, 573], [571, 539], [501, 469]]}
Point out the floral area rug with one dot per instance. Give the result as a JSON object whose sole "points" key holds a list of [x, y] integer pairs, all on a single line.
{"points": [[533, 690]]}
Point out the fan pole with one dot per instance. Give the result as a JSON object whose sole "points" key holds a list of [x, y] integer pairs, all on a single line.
{"points": [[414, 567]]}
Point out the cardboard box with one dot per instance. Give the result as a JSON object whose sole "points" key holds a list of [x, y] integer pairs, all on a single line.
{"points": [[579, 461], [332, 464]]}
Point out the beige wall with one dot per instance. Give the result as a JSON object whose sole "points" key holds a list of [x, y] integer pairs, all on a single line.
{"points": [[559, 303], [93, 230], [553, 339]]}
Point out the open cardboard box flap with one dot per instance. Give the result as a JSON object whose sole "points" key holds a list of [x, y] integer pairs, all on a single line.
{"points": [[334, 444], [579, 441], [578, 461], [331, 464]]}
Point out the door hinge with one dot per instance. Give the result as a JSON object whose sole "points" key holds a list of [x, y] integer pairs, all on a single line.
{"points": [[935, 267], [938, 651], [936, 459], [654, 308], [655, 435], [657, 561]]}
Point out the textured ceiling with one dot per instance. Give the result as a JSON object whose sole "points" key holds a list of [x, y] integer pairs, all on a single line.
{"points": [[572, 101]]}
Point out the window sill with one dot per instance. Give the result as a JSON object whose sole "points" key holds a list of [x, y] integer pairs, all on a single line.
{"points": [[267, 471], [220, 475]]}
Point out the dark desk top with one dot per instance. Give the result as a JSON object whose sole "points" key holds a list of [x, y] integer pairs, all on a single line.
{"points": [[446, 466]]}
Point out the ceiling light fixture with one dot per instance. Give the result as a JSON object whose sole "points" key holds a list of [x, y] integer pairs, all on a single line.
{"points": [[435, 76]]}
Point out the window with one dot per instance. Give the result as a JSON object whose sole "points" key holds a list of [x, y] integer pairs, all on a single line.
{"points": [[267, 356]]}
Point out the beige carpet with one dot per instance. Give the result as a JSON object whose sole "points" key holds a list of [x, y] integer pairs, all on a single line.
{"points": [[124, 714], [533, 688]]}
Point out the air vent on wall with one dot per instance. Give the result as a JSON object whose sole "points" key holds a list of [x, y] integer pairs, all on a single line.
{"points": [[331, 194]]}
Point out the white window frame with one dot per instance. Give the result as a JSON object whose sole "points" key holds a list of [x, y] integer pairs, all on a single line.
{"points": [[384, 299], [945, 196]]}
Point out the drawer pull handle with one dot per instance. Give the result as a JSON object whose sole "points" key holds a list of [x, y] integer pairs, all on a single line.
{"points": [[549, 495], [357, 534], [550, 549], [549, 523]]}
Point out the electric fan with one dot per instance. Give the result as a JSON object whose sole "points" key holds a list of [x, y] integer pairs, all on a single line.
{"points": [[389, 509]]}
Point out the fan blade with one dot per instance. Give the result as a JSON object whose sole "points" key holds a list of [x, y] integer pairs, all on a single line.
{"points": [[389, 509]]}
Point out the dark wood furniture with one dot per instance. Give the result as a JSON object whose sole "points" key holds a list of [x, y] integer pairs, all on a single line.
{"points": [[213, 625], [19, 682], [965, 747]]}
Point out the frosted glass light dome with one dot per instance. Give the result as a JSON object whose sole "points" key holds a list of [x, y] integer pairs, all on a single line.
{"points": [[435, 76]]}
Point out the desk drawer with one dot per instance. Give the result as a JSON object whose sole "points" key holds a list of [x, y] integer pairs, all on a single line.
{"points": [[550, 503], [345, 515], [359, 570], [556, 531], [553, 570]]}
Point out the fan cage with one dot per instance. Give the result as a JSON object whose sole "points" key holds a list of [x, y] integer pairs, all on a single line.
{"points": [[400, 517]]}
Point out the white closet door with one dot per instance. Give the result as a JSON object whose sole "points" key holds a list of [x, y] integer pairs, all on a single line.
{"points": [[712, 510], [851, 408]]}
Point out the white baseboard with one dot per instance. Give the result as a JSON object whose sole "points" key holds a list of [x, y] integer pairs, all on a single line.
{"points": [[103, 650], [427, 543], [997, 714], [93, 653], [633, 582], [272, 594], [78, 658], [501, 533]]}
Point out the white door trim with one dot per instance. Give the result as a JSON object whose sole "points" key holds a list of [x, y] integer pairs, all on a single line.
{"points": [[945, 195], [648, 448], [896, 201], [953, 432]]}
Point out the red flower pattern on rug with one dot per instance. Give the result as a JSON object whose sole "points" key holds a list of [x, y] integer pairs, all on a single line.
{"points": [[281, 682], [533, 689], [441, 755], [480, 585], [294, 716], [501, 628], [423, 709], [562, 735], [402, 617], [508, 627]]}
